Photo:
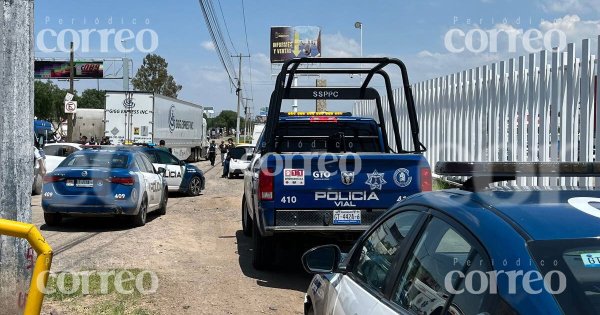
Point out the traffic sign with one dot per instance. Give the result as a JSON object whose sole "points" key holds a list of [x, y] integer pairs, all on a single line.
{"points": [[69, 97], [70, 107]]}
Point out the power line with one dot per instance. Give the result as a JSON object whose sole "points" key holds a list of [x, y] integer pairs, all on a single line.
{"points": [[217, 26], [226, 27], [216, 35]]}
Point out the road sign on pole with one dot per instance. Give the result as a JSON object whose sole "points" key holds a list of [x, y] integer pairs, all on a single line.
{"points": [[70, 107]]}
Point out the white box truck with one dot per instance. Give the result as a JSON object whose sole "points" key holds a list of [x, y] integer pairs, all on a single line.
{"points": [[89, 122], [143, 117]]}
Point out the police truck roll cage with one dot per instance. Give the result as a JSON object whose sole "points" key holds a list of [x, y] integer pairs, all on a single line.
{"points": [[284, 90]]}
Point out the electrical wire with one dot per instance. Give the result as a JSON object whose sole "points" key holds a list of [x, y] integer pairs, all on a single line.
{"points": [[226, 27], [216, 35]]}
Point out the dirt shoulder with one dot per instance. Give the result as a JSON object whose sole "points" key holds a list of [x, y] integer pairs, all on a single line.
{"points": [[201, 258]]}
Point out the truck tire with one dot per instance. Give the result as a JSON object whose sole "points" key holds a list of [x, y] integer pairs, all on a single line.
{"points": [[263, 251], [52, 219], [246, 220]]}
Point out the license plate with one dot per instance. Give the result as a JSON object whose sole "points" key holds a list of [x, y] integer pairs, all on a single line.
{"points": [[85, 183], [591, 260], [348, 217]]}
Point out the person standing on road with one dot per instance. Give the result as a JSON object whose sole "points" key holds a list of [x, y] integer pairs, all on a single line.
{"points": [[105, 141], [162, 145], [212, 152], [226, 166], [223, 149], [38, 158]]}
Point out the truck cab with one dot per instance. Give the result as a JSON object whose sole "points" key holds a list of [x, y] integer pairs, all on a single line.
{"points": [[327, 172]]}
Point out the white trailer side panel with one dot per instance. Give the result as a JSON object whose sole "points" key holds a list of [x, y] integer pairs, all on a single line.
{"points": [[89, 122], [128, 117], [177, 122]]}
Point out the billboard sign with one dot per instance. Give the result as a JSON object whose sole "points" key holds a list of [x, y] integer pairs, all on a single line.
{"points": [[294, 42], [61, 69]]}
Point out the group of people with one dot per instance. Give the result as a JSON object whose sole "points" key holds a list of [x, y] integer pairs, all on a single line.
{"points": [[94, 141], [223, 148]]}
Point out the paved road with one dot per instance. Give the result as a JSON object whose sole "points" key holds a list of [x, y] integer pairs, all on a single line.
{"points": [[197, 249]]}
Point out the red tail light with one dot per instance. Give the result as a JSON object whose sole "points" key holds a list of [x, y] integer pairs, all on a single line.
{"points": [[122, 180], [323, 119], [53, 178], [265, 185], [426, 181]]}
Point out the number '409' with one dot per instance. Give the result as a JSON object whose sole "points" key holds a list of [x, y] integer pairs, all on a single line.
{"points": [[288, 199]]}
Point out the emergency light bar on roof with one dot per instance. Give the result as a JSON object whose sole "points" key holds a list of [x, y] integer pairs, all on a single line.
{"points": [[307, 114]]}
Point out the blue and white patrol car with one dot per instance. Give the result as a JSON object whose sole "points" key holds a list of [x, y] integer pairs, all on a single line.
{"points": [[475, 250], [104, 181], [181, 176]]}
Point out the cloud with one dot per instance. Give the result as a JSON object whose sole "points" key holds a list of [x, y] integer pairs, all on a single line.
{"points": [[337, 45], [429, 64], [573, 27], [208, 45], [570, 6]]}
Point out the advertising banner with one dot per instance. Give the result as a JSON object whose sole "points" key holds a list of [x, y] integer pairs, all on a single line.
{"points": [[294, 42], [61, 69]]}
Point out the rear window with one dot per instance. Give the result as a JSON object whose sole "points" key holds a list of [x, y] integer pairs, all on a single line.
{"points": [[334, 137], [240, 153], [103, 160], [579, 261]]}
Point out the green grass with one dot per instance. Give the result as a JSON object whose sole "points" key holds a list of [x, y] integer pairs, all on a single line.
{"points": [[99, 299], [95, 284], [439, 185]]}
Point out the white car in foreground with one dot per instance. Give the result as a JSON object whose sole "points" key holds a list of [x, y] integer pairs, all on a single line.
{"points": [[240, 159]]}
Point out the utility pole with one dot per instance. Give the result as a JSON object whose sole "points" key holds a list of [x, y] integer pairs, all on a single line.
{"points": [[16, 148], [246, 116], [72, 91], [238, 91]]}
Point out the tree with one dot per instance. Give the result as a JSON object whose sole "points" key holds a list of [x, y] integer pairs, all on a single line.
{"points": [[153, 77], [226, 119], [48, 101], [92, 99]]}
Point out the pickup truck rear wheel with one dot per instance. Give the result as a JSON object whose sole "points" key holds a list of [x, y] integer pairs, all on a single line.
{"points": [[263, 250], [246, 220]]}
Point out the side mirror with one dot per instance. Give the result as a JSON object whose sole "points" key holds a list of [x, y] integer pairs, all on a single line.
{"points": [[322, 259], [249, 157], [182, 163], [162, 171]]}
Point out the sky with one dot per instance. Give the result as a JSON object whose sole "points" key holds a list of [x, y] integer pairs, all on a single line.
{"points": [[412, 30]]}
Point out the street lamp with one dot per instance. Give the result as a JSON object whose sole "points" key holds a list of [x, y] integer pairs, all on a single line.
{"points": [[359, 25]]}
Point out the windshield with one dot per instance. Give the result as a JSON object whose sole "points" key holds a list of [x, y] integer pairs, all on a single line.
{"points": [[240, 153], [334, 137], [579, 261], [104, 160]]}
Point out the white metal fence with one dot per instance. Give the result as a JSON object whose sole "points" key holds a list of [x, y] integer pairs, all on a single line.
{"points": [[539, 107]]}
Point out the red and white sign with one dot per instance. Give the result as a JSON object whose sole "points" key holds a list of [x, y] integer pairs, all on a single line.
{"points": [[70, 107], [293, 177]]}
